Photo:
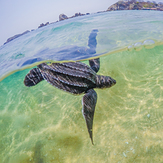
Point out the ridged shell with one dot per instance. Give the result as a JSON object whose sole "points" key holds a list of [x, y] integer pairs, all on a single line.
{"points": [[74, 77]]}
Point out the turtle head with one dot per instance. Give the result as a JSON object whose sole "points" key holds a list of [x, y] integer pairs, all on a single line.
{"points": [[104, 81]]}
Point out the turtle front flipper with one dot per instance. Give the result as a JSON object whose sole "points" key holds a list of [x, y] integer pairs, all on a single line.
{"points": [[33, 77], [95, 64], [92, 42], [89, 103]]}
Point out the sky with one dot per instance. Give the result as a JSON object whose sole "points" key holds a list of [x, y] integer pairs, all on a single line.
{"points": [[17, 16]]}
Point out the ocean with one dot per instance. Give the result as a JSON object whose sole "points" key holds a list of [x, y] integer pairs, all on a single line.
{"points": [[43, 124]]}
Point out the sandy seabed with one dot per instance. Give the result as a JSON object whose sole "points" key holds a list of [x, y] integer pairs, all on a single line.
{"points": [[43, 124]]}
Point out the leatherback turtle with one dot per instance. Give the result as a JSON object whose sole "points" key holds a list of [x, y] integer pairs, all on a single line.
{"points": [[75, 78]]}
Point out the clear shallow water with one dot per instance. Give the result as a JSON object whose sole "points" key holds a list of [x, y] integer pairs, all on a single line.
{"points": [[59, 41], [44, 124]]}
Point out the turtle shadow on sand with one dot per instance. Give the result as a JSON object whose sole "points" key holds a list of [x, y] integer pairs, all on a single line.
{"points": [[75, 78], [37, 153]]}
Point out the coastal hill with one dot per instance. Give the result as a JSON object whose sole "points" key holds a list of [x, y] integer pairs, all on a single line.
{"points": [[120, 5], [136, 5]]}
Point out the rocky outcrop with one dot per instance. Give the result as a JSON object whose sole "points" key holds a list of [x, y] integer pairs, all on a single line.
{"points": [[78, 14], [42, 25], [135, 5], [62, 17], [15, 36]]}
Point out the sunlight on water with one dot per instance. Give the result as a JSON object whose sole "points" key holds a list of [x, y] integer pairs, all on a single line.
{"points": [[44, 124]]}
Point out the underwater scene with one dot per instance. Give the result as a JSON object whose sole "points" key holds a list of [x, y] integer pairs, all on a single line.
{"points": [[43, 124]]}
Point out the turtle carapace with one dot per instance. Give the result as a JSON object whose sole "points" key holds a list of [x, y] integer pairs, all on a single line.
{"points": [[75, 78]]}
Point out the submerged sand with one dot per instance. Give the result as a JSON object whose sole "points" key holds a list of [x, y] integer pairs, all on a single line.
{"points": [[44, 124]]}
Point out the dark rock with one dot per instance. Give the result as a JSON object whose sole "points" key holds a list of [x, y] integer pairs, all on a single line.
{"points": [[42, 25], [62, 17], [46, 23], [135, 5], [78, 14], [15, 36]]}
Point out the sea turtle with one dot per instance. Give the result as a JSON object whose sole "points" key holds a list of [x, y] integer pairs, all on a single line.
{"points": [[75, 78]]}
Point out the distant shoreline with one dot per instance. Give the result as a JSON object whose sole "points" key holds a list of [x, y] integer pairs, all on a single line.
{"points": [[136, 5], [120, 5]]}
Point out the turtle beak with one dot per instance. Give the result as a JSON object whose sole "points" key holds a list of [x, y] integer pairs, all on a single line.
{"points": [[114, 81]]}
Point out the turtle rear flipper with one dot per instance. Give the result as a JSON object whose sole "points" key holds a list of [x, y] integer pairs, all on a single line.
{"points": [[95, 64], [33, 77], [89, 104]]}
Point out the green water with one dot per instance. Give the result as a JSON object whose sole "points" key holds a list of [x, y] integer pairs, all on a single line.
{"points": [[43, 124]]}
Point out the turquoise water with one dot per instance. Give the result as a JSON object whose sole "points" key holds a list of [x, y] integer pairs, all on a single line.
{"points": [[59, 41], [44, 124]]}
